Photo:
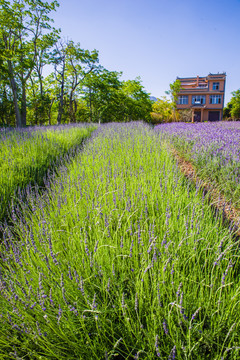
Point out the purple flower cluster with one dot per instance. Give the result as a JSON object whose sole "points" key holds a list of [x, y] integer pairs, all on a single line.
{"points": [[214, 148]]}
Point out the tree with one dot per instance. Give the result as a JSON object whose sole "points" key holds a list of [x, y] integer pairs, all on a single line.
{"points": [[233, 107], [39, 103], [23, 27], [235, 101], [162, 110], [72, 64], [138, 104], [227, 111], [101, 89], [6, 105], [110, 99], [174, 90], [80, 63]]}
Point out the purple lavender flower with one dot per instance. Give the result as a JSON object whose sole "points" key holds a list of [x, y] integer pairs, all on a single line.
{"points": [[195, 314], [172, 355], [157, 346], [94, 304], [165, 328], [136, 302], [59, 314]]}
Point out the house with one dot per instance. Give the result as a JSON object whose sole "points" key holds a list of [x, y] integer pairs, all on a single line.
{"points": [[203, 95]]}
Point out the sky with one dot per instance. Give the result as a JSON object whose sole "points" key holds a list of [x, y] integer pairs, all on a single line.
{"points": [[157, 40]]}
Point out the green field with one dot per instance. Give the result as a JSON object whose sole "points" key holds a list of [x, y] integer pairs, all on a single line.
{"points": [[121, 257], [27, 156]]}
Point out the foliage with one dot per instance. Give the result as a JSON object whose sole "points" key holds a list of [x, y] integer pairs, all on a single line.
{"points": [[162, 111], [25, 33], [235, 101], [28, 43], [110, 99], [227, 111], [139, 104], [175, 87], [185, 115], [72, 64], [7, 117], [232, 110]]}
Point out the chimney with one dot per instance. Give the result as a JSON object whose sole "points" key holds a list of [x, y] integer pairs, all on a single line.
{"points": [[197, 80]]}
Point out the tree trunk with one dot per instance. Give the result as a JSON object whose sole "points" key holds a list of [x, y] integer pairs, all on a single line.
{"points": [[75, 110], [41, 83], [24, 105], [71, 114], [14, 91], [90, 104], [60, 107], [50, 112]]}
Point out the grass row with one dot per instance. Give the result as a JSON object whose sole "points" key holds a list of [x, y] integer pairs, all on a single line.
{"points": [[214, 150], [121, 259], [26, 156]]}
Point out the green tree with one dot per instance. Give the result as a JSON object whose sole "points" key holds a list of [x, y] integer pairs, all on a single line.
{"points": [[235, 101], [232, 110], [39, 103], [23, 27], [174, 90], [7, 117], [101, 92], [72, 64], [162, 110], [80, 63], [110, 99], [137, 104], [227, 110]]}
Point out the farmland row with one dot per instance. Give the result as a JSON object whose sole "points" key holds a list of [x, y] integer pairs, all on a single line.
{"points": [[213, 149], [26, 157], [122, 257]]}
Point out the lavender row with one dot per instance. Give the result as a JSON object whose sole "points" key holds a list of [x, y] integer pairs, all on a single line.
{"points": [[26, 156], [214, 149]]}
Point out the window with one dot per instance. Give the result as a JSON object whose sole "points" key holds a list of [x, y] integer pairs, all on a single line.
{"points": [[215, 86], [215, 99], [183, 100], [199, 99]]}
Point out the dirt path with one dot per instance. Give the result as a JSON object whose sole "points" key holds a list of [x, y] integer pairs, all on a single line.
{"points": [[217, 200]]}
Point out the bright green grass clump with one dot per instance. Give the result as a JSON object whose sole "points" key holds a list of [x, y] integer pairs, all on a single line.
{"points": [[121, 259], [26, 156]]}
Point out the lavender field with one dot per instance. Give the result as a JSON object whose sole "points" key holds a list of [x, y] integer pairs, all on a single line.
{"points": [[121, 258], [214, 149]]}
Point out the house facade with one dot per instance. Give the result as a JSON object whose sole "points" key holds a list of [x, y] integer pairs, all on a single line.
{"points": [[203, 95]]}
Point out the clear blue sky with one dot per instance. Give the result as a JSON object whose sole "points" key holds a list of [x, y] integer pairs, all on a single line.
{"points": [[158, 40]]}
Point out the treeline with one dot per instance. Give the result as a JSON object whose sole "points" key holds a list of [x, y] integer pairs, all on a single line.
{"points": [[77, 89]]}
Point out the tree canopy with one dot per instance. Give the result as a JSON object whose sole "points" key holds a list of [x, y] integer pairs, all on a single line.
{"points": [[164, 110], [77, 88], [232, 110]]}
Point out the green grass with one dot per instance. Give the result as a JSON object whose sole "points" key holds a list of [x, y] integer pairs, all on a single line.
{"points": [[25, 157], [122, 259]]}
